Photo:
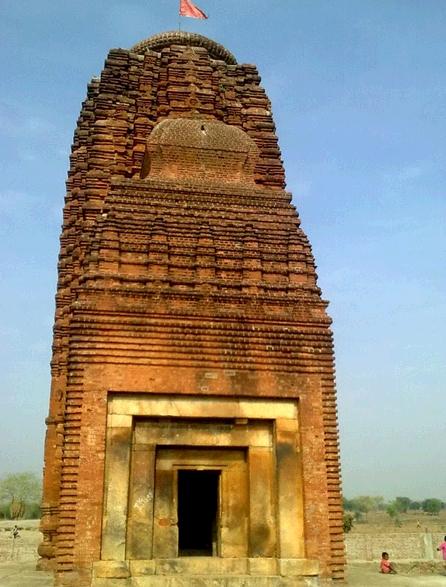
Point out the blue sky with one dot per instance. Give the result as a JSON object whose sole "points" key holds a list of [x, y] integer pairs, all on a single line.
{"points": [[358, 91]]}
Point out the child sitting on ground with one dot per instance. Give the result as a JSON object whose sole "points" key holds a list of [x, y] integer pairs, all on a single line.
{"points": [[442, 548], [385, 566]]}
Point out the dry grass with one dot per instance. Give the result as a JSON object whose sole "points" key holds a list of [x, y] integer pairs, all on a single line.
{"points": [[377, 522], [23, 548]]}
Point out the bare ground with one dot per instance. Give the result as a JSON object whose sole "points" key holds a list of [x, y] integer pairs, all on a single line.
{"points": [[23, 574], [377, 522], [367, 575], [16, 574], [18, 560]]}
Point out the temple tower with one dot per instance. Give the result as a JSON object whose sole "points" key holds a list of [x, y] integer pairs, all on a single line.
{"points": [[192, 432]]}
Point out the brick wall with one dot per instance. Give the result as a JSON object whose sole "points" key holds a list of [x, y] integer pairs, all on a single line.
{"points": [[407, 545]]}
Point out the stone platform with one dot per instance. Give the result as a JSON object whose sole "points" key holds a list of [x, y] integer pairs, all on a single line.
{"points": [[207, 572]]}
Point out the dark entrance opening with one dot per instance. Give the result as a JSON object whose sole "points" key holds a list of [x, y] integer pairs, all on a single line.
{"points": [[197, 512]]}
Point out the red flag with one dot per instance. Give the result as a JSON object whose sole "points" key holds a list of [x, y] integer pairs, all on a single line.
{"points": [[188, 8]]}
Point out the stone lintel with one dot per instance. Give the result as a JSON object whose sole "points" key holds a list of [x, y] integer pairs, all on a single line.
{"points": [[201, 407], [196, 433]]}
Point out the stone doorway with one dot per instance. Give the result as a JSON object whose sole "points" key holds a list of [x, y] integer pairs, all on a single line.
{"points": [[202, 487], [201, 501], [198, 512]]}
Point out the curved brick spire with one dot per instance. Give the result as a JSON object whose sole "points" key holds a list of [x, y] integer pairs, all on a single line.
{"points": [[162, 40]]}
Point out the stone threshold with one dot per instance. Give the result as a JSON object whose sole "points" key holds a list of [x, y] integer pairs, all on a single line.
{"points": [[210, 581], [207, 572]]}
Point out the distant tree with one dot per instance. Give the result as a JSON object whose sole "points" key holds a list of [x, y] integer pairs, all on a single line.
{"points": [[33, 511], [394, 512], [348, 504], [18, 491], [4, 511], [358, 517], [359, 508], [379, 503], [432, 505], [364, 504], [348, 522], [415, 505], [17, 509], [361, 505], [403, 504]]}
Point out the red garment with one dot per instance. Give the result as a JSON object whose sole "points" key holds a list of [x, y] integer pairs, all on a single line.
{"points": [[385, 566], [188, 8]]}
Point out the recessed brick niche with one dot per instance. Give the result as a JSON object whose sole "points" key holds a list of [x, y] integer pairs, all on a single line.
{"points": [[192, 433]]}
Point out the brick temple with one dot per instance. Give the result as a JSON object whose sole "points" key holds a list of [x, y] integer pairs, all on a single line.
{"points": [[192, 431]]}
